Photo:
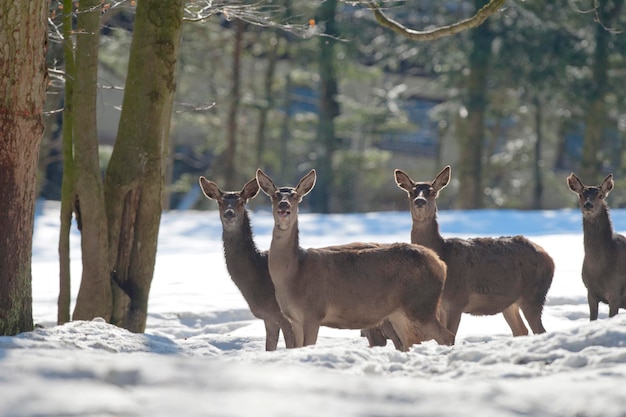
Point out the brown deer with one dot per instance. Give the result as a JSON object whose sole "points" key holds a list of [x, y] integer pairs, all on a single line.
{"points": [[353, 286], [604, 264], [247, 265], [486, 276]]}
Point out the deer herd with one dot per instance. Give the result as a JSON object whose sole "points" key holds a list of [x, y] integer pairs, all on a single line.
{"points": [[405, 292]]}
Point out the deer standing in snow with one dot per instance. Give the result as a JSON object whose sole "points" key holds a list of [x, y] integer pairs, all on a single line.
{"points": [[247, 265], [486, 276], [604, 265], [353, 286]]}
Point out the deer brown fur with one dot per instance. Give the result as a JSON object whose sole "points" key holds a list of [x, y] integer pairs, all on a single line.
{"points": [[486, 276], [604, 264], [247, 266], [353, 286]]}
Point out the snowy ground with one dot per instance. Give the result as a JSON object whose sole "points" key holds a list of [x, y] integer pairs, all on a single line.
{"points": [[203, 352]]}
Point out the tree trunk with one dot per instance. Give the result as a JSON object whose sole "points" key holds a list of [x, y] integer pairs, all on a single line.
{"points": [[268, 99], [94, 295], [328, 107], [67, 185], [595, 117], [233, 111], [23, 78], [134, 183], [538, 177], [471, 152]]}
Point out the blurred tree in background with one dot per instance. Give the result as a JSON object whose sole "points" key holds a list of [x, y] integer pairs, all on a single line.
{"points": [[508, 104]]}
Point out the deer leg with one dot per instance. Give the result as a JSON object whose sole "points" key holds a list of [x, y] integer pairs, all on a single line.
{"points": [[271, 335], [285, 326], [405, 331], [533, 317], [514, 320], [435, 331], [453, 319], [592, 300], [614, 303], [298, 334], [390, 332], [311, 329], [374, 336]]}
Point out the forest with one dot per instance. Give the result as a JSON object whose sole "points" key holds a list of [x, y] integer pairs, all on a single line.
{"points": [[115, 108], [514, 105]]}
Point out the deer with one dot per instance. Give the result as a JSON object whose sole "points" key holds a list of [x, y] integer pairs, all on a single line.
{"points": [[246, 264], [351, 286], [604, 263], [486, 276]]}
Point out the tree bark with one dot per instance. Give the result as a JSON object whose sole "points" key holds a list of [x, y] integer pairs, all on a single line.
{"points": [[23, 79], [94, 295], [233, 111], [67, 185], [328, 107], [134, 182], [471, 152]]}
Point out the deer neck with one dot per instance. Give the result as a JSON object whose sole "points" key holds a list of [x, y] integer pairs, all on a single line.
{"points": [[240, 250], [597, 231], [284, 253], [425, 232]]}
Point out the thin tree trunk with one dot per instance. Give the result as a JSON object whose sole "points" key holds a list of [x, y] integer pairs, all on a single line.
{"points": [[268, 99], [23, 78], [134, 183], [328, 107], [94, 294], [538, 177], [285, 132], [472, 141], [233, 111], [67, 185]]}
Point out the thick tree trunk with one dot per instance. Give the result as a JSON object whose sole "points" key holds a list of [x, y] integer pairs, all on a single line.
{"points": [[134, 183], [328, 107], [472, 141], [23, 77], [94, 295]]}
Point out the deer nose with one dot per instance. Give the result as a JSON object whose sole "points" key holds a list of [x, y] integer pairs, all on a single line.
{"points": [[284, 206], [420, 202], [588, 205], [229, 213]]}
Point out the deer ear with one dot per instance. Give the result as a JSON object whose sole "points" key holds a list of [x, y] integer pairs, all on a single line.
{"points": [[403, 180], [265, 182], [210, 189], [250, 190], [307, 183], [575, 184], [442, 179], [607, 185]]}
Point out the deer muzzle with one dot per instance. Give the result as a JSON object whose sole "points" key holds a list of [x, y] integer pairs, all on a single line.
{"points": [[419, 202], [283, 209], [229, 213]]}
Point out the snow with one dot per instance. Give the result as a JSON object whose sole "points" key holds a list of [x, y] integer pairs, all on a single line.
{"points": [[203, 352]]}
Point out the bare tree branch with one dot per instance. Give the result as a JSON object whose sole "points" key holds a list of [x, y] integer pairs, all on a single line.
{"points": [[487, 10]]}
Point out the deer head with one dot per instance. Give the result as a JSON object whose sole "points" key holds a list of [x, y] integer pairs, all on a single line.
{"points": [[285, 200], [423, 194], [590, 198], [232, 204]]}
